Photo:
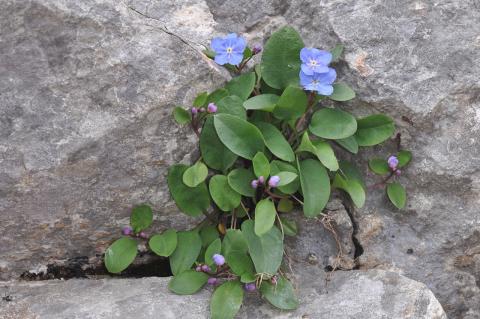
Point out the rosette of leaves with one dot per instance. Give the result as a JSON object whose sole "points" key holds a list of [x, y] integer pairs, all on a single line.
{"points": [[261, 124]]}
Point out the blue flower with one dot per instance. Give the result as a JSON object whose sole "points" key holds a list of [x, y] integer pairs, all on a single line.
{"points": [[319, 82], [229, 49], [315, 60]]}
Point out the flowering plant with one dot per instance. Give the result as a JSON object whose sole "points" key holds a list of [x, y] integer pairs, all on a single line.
{"points": [[267, 145]]}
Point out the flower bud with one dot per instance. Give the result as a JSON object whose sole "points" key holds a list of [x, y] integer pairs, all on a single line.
{"points": [[273, 181], [274, 280], [261, 179], [398, 172], [194, 110], [143, 235], [211, 108], [198, 268], [201, 110], [205, 268], [254, 184], [257, 48], [392, 162], [218, 259], [127, 230], [250, 286], [212, 281]]}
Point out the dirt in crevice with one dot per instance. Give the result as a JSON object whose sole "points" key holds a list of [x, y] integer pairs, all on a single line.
{"points": [[358, 246]]}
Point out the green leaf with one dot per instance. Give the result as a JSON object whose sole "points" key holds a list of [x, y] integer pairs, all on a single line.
{"points": [[240, 180], [280, 295], [349, 143], [265, 214], [234, 241], [190, 200], [379, 166], [279, 166], [342, 92], [333, 124], [286, 178], [242, 86], [374, 129], [164, 244], [241, 137], [188, 282], [276, 142], [208, 234], [217, 95], [336, 52], [321, 149], [247, 53], [222, 194], [189, 245], [214, 153], [315, 186], [350, 171], [248, 277], [285, 206], [292, 104], [141, 218], [266, 251], [195, 174], [181, 115], [214, 248], [404, 157], [261, 166], [232, 105], [353, 187], [120, 254], [397, 194], [289, 226], [240, 263], [263, 102], [226, 300], [281, 58], [201, 99]]}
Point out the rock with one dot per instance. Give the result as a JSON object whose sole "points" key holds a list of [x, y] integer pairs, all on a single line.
{"points": [[354, 294]]}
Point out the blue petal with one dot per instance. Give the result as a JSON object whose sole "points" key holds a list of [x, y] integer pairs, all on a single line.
{"points": [[236, 58], [324, 89], [221, 58], [231, 36], [324, 57], [305, 54], [305, 79], [217, 45], [306, 69], [327, 78], [320, 69], [239, 45]]}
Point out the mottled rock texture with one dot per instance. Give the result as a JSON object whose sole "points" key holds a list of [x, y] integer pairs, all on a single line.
{"points": [[374, 294], [86, 89]]}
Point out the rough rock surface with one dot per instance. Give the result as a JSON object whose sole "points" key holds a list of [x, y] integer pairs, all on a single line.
{"points": [[374, 294], [86, 89]]}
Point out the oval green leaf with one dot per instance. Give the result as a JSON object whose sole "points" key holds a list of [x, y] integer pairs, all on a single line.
{"points": [[188, 282], [374, 129], [286, 178], [315, 186], [289, 226], [263, 102], [292, 104], [333, 124], [189, 245], [200, 99], [222, 194], [242, 86], [214, 153], [240, 263], [342, 92], [164, 244], [349, 143], [234, 241], [181, 115], [281, 295], [240, 180], [265, 214], [279, 166], [120, 254], [190, 200], [141, 218], [352, 187], [261, 166], [195, 174], [404, 157], [397, 194], [226, 300], [214, 248], [241, 137], [232, 105], [379, 166], [208, 233], [276, 142]]}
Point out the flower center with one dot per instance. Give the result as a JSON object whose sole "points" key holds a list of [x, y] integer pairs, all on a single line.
{"points": [[313, 63], [229, 50], [315, 82]]}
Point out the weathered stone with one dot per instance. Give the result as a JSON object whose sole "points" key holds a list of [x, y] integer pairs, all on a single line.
{"points": [[373, 294]]}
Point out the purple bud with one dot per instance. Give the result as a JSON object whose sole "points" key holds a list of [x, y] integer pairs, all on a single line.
{"points": [[392, 162], [205, 268], [261, 179], [218, 259], [254, 183], [273, 181], [250, 287], [201, 110], [212, 281], [127, 230], [194, 110], [398, 172], [198, 268], [143, 235], [211, 108], [274, 280], [257, 48]]}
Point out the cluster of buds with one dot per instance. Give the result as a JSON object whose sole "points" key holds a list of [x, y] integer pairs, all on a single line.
{"points": [[128, 231], [203, 268], [257, 48], [272, 181], [211, 108], [393, 165]]}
